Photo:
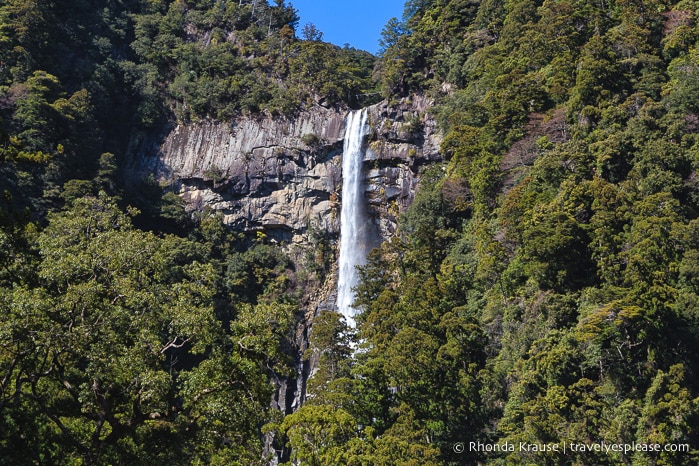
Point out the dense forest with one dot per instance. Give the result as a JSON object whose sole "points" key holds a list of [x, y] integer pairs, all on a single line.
{"points": [[543, 287]]}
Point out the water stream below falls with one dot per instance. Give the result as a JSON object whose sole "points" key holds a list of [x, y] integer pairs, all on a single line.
{"points": [[353, 220]]}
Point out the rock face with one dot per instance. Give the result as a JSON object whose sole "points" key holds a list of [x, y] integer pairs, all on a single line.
{"points": [[404, 139], [282, 176]]}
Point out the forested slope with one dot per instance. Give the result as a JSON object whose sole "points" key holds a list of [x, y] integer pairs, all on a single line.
{"points": [[129, 334], [544, 287]]}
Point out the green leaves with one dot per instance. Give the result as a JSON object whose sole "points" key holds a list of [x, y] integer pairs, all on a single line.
{"points": [[118, 356], [668, 417], [317, 434]]}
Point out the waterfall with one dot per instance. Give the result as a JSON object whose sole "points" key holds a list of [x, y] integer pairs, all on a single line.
{"points": [[353, 221]]}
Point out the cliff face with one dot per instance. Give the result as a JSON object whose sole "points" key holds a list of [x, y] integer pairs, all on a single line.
{"points": [[283, 175]]}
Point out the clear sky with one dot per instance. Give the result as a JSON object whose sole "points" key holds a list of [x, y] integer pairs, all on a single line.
{"points": [[355, 22]]}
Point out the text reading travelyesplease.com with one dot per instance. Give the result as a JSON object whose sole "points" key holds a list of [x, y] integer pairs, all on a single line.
{"points": [[566, 447]]}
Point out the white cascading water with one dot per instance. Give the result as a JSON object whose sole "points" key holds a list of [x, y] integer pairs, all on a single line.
{"points": [[353, 241]]}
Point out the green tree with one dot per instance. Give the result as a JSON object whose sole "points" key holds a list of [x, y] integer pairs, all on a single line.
{"points": [[668, 417], [117, 355]]}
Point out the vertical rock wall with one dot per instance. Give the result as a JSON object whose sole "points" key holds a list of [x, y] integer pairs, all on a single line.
{"points": [[283, 175]]}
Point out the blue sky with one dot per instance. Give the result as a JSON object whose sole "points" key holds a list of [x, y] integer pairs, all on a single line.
{"points": [[356, 22]]}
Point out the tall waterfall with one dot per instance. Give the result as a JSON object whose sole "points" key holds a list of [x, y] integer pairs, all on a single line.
{"points": [[353, 226]]}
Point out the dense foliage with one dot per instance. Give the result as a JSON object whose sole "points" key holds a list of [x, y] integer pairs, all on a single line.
{"points": [[543, 287], [129, 335], [218, 59], [113, 350]]}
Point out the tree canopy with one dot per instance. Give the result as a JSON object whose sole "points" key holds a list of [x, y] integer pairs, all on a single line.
{"points": [[541, 288]]}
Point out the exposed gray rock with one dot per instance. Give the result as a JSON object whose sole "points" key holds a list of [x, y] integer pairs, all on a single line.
{"points": [[280, 175], [405, 138], [260, 174]]}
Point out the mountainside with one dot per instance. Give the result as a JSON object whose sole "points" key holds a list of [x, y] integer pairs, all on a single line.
{"points": [[542, 288], [170, 179], [147, 335]]}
